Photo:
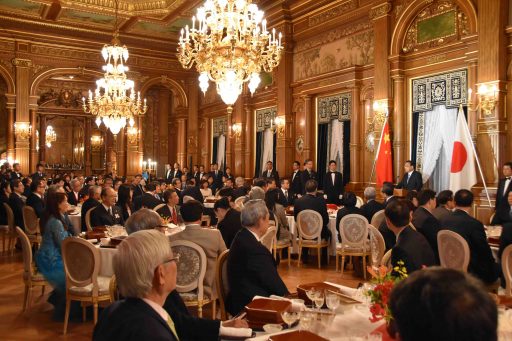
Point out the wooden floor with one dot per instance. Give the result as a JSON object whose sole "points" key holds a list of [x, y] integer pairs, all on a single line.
{"points": [[36, 324]]}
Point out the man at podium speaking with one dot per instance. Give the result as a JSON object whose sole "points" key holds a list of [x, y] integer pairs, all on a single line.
{"points": [[412, 180]]}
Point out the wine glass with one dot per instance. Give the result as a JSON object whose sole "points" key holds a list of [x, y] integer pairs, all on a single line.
{"points": [[319, 299], [306, 319], [289, 317], [332, 301], [311, 293]]}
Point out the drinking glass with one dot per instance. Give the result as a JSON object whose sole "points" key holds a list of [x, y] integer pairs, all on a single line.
{"points": [[289, 317], [306, 319], [311, 293], [319, 299], [332, 301]]}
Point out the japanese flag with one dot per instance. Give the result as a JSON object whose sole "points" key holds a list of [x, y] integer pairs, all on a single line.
{"points": [[462, 171]]}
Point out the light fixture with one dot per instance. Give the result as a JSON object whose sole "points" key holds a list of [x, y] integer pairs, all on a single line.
{"points": [[230, 46], [22, 130], [236, 130], [277, 125], [51, 136], [132, 133], [487, 98], [149, 166], [96, 142], [114, 102], [375, 123]]}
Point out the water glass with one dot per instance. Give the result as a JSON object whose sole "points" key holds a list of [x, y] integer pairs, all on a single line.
{"points": [[332, 301], [306, 320], [289, 317], [319, 299]]}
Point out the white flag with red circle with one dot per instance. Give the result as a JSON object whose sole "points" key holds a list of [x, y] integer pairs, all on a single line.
{"points": [[462, 170]]}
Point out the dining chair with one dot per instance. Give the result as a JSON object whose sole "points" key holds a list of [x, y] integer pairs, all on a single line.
{"points": [[191, 272], [157, 207], [453, 250], [353, 229], [378, 218], [359, 202], [506, 265], [83, 282], [268, 238], [386, 259], [280, 245], [88, 219], [221, 282], [31, 277], [32, 228], [309, 225], [377, 244], [239, 202], [9, 233]]}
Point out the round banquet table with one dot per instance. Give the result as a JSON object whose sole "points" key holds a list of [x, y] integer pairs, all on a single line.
{"points": [[332, 228]]}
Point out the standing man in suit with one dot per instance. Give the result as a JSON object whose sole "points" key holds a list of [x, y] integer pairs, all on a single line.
{"points": [[412, 180], [424, 221], [270, 172], [333, 185], [285, 195], [196, 175], [481, 262], [371, 206], [176, 173], [16, 171], [137, 187], [35, 199], [168, 173], [17, 201], [296, 180], [107, 213], [202, 173], [504, 212], [445, 204], [94, 194], [39, 174], [217, 177], [307, 174], [504, 186], [74, 195]]}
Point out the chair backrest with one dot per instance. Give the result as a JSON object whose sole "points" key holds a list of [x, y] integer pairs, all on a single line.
{"points": [[309, 225], [240, 202], [88, 219], [30, 220], [221, 281], [360, 201], [377, 244], [27, 253], [10, 217], [353, 230], [453, 250], [269, 237], [206, 220], [378, 218], [386, 259], [81, 263], [506, 265], [491, 218], [191, 266], [157, 207]]}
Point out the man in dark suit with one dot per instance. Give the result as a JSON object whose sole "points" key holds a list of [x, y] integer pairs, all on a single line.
{"points": [[107, 213], [217, 176], [17, 201], [349, 207], [171, 210], [371, 206], [503, 212], [196, 175], [137, 187], [296, 180], [411, 247], [504, 186], [481, 262], [192, 191], [229, 220], [445, 204], [241, 189], [270, 172], [424, 221], [307, 174], [89, 181], [148, 199], [35, 199], [251, 267], [74, 195], [39, 174], [333, 184], [176, 172], [412, 180], [16, 172], [389, 236], [285, 196], [92, 201], [168, 174]]}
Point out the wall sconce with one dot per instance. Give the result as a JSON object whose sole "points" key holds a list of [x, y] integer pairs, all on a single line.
{"points": [[22, 130], [133, 134], [51, 136], [374, 123], [37, 140], [96, 142], [487, 97], [277, 125], [236, 130]]}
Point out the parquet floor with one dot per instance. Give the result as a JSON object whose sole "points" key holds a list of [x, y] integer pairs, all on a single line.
{"points": [[36, 324]]}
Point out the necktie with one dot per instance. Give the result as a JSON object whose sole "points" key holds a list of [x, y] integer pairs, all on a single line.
{"points": [[269, 173], [286, 194], [110, 210], [332, 177], [174, 217], [408, 177], [170, 322]]}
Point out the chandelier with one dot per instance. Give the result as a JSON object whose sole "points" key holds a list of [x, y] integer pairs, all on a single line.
{"points": [[51, 136], [114, 102], [230, 46]]}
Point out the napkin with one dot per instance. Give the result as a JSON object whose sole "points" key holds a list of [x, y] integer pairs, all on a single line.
{"points": [[295, 306], [351, 292], [235, 332]]}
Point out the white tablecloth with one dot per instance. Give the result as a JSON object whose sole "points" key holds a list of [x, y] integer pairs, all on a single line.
{"points": [[76, 220], [332, 228]]}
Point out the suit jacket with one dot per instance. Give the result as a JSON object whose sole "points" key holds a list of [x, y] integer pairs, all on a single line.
{"points": [[239, 192], [413, 249], [428, 226], [305, 176], [503, 215], [192, 191], [285, 200], [481, 263], [188, 327], [502, 193], [16, 175], [440, 212], [296, 183], [36, 203], [370, 208], [229, 226], [100, 216], [147, 200], [16, 204], [310, 202], [38, 176], [251, 271], [389, 200], [273, 175], [213, 245], [131, 319], [168, 175], [137, 190], [333, 190], [165, 211], [217, 180], [414, 184], [86, 206], [72, 199], [176, 174], [389, 236], [3, 214]]}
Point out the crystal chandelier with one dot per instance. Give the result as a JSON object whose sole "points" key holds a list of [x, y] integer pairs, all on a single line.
{"points": [[114, 102], [51, 136], [230, 46]]}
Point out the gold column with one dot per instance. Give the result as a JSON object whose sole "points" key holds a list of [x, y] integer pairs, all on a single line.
{"points": [[34, 157], [398, 120], [11, 152], [121, 154], [246, 143], [355, 137], [380, 16], [22, 67], [229, 160], [237, 142], [182, 140], [109, 148], [309, 129], [87, 146], [134, 150], [193, 120], [42, 138]]}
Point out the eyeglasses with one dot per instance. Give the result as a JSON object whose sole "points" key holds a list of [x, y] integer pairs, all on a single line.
{"points": [[174, 259]]}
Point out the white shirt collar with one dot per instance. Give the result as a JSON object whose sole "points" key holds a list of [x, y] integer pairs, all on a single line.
{"points": [[158, 308], [255, 235], [106, 207], [410, 172], [39, 195]]}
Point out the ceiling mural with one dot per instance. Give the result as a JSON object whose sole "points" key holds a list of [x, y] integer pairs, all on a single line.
{"points": [[21, 6], [87, 18]]}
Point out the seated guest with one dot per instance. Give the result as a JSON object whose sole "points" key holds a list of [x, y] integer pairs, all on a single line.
{"points": [[251, 268], [94, 194], [503, 212], [371, 206], [5, 192], [35, 199], [349, 207], [261, 183], [241, 189], [89, 181], [107, 214], [143, 219], [48, 257], [228, 220], [171, 210], [124, 200], [74, 196], [193, 191], [17, 201], [285, 195], [229, 183], [27, 182], [205, 190], [209, 239], [424, 221], [283, 230], [148, 199], [445, 204], [388, 189], [411, 247], [412, 197], [117, 183], [176, 183], [443, 304], [137, 186], [481, 261], [389, 236], [141, 316]]}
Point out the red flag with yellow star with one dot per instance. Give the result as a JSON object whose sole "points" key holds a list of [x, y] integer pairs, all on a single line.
{"points": [[384, 165]]}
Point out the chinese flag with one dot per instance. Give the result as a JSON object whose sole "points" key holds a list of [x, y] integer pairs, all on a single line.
{"points": [[384, 165]]}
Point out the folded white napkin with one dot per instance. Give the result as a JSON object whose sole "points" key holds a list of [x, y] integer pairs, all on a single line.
{"points": [[235, 332], [295, 306], [344, 290]]}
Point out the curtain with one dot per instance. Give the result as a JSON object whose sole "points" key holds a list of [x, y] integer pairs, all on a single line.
{"points": [[259, 140], [215, 144], [336, 146], [221, 151], [346, 152], [322, 152], [268, 149]]}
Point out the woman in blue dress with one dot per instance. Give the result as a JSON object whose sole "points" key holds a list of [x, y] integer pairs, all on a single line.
{"points": [[49, 256]]}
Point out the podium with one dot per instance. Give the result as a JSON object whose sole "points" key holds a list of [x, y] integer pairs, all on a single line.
{"points": [[400, 193]]}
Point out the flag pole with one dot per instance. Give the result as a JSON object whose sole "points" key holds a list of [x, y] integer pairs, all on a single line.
{"points": [[477, 162], [378, 149]]}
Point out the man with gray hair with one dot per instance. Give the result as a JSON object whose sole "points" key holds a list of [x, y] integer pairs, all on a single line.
{"points": [[94, 193], [251, 267], [74, 196], [371, 206], [240, 189], [146, 272], [143, 219]]}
